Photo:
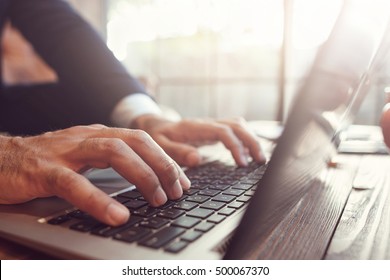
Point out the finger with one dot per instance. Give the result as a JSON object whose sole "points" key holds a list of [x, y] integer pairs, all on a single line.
{"points": [[117, 154], [212, 131], [81, 193], [248, 138], [155, 162], [172, 178], [184, 181], [183, 154]]}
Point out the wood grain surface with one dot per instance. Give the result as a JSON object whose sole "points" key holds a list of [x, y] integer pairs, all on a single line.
{"points": [[364, 229]]}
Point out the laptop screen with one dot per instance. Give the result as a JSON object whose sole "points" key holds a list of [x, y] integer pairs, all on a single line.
{"points": [[336, 85]]}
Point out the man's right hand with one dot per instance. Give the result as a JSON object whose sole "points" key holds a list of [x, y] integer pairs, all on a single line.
{"points": [[49, 164]]}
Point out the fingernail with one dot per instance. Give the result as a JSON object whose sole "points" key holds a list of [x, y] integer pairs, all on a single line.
{"points": [[185, 182], [244, 160], [159, 197], [263, 159], [177, 190], [118, 213]]}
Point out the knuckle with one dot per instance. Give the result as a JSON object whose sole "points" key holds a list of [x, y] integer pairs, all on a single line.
{"points": [[224, 129], [114, 145], [85, 129], [98, 125], [62, 180], [141, 138], [146, 175], [236, 126], [170, 171], [236, 123], [140, 135]]}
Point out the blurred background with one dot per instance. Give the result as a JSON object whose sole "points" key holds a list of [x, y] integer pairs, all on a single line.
{"points": [[220, 58]]}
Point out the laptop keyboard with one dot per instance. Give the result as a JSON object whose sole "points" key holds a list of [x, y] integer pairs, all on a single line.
{"points": [[218, 190]]}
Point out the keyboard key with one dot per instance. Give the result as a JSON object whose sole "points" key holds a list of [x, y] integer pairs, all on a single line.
{"points": [[200, 213], [171, 213], [191, 236], [213, 205], [78, 214], [249, 181], [234, 192], [242, 186], [244, 198], [167, 204], [190, 192], [186, 222], [135, 204], [183, 197], [154, 223], [146, 211], [216, 218], [220, 187], [206, 181], [130, 194], [132, 234], [59, 220], [185, 205], [209, 192], [250, 193], [236, 205], [224, 198], [197, 186], [204, 227], [121, 199], [86, 225], [227, 211], [229, 181], [107, 231], [162, 237], [176, 246], [198, 198]]}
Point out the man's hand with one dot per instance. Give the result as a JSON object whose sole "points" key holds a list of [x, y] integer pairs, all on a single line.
{"points": [[180, 139], [49, 164]]}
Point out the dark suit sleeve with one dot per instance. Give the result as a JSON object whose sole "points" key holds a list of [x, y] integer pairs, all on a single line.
{"points": [[87, 70]]}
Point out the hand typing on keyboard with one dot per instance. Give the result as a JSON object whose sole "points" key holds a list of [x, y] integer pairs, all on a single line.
{"points": [[180, 139], [49, 164]]}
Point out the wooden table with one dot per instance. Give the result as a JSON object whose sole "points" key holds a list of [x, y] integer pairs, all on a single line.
{"points": [[363, 231]]}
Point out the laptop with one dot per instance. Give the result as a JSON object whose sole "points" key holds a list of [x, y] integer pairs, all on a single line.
{"points": [[229, 210]]}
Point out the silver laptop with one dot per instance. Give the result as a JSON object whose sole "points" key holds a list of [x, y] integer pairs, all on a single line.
{"points": [[229, 211]]}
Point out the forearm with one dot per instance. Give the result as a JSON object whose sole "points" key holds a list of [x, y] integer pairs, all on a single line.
{"points": [[76, 52]]}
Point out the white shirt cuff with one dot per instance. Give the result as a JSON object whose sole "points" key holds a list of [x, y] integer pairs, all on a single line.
{"points": [[132, 107]]}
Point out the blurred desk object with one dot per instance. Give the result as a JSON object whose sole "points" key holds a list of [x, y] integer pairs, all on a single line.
{"points": [[360, 139]]}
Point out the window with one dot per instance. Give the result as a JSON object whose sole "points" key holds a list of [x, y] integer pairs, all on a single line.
{"points": [[219, 58], [213, 58]]}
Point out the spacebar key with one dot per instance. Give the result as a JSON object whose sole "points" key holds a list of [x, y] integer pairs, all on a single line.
{"points": [[162, 237]]}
